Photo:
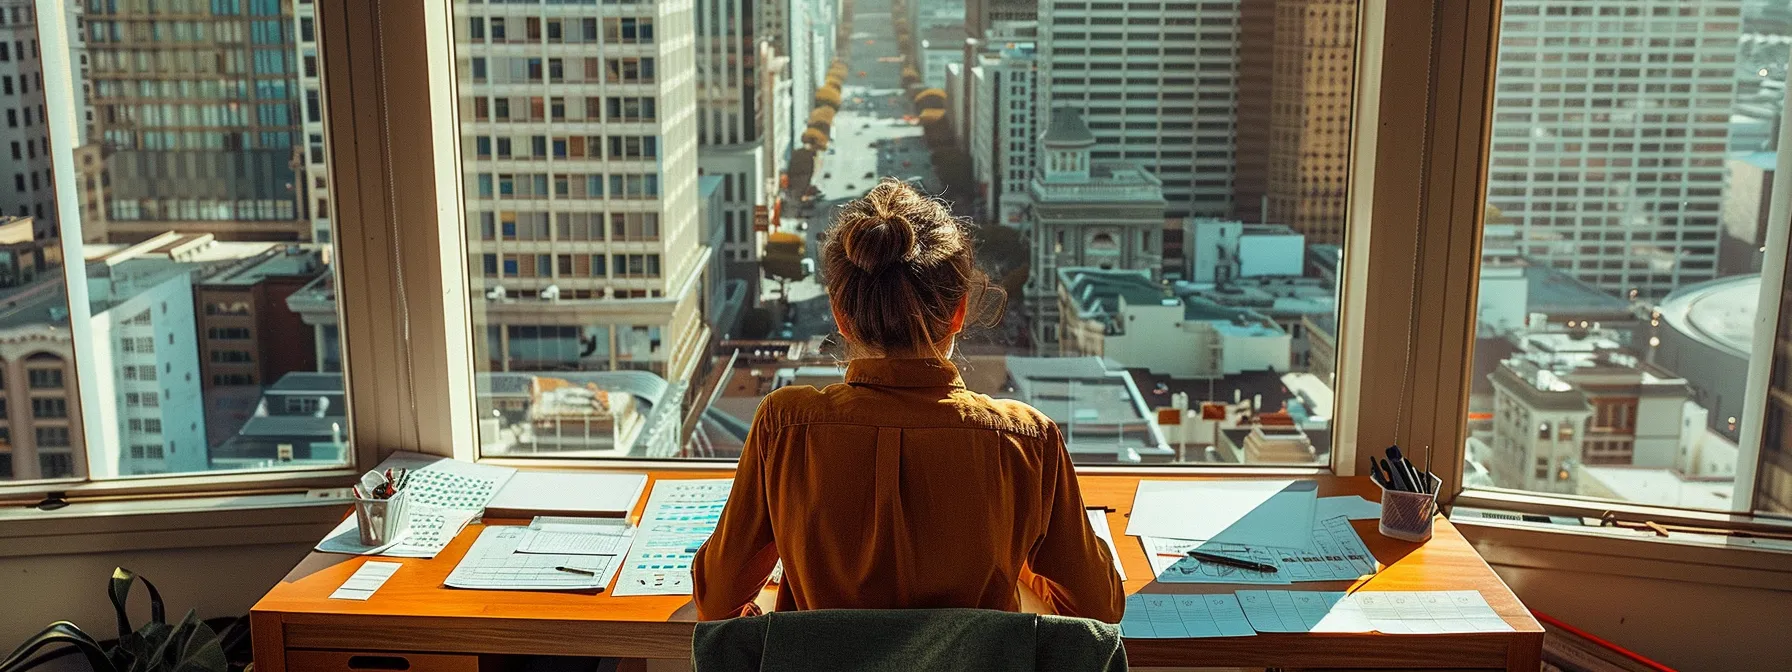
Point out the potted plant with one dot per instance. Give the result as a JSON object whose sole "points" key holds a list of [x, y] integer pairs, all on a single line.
{"points": [[188, 646]]}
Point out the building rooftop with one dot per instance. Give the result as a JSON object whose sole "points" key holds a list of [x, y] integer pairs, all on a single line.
{"points": [[1276, 296], [1719, 313], [1095, 404], [1555, 292], [292, 261], [40, 303], [1067, 128], [1098, 292], [1662, 487]]}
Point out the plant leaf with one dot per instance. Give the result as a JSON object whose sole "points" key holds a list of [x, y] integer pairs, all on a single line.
{"points": [[60, 632], [198, 648]]}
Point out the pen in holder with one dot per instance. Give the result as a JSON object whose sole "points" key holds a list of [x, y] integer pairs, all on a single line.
{"points": [[1407, 515], [382, 520]]}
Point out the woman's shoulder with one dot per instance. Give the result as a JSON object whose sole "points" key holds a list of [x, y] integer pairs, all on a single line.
{"points": [[1011, 415]]}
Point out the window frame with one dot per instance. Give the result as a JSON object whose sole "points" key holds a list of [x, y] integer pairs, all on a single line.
{"points": [[1464, 49]]}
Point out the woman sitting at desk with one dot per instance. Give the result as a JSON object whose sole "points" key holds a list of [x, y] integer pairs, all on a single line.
{"points": [[901, 488]]}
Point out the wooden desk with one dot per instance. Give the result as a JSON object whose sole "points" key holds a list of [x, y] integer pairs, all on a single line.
{"points": [[297, 628]]}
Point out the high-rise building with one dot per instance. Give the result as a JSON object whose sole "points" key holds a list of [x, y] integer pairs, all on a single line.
{"points": [[26, 185], [582, 190], [313, 187], [1610, 127], [199, 139], [732, 119], [1309, 121], [1157, 84], [1256, 81], [801, 32], [1004, 133]]}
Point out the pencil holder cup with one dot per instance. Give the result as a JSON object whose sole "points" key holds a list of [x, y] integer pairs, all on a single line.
{"points": [[383, 520], [1407, 515]]}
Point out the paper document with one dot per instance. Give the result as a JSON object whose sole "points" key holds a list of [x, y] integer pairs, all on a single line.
{"points": [[1151, 616], [578, 536], [680, 515], [493, 563], [362, 584], [1351, 506], [1257, 513], [1171, 563], [1335, 553], [567, 493], [1429, 612], [444, 495], [1303, 611], [1098, 519]]}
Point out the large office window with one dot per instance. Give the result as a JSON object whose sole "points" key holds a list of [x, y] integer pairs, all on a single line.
{"points": [[162, 173], [1630, 184], [1159, 188]]}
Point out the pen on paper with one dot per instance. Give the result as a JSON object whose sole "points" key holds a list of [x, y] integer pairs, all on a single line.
{"points": [[575, 570]]}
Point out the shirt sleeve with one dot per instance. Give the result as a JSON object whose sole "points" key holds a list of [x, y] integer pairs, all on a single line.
{"points": [[1071, 568], [734, 564]]}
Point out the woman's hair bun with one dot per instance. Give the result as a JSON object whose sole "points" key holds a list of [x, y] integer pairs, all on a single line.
{"points": [[881, 232]]}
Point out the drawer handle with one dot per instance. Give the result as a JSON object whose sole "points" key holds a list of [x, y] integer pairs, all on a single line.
{"points": [[378, 663]]}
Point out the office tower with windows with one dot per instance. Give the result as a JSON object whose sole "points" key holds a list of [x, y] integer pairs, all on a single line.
{"points": [[1004, 129], [580, 138], [26, 187], [313, 188], [1610, 129], [731, 120], [1309, 121], [1157, 84], [194, 100], [1256, 83], [802, 34]]}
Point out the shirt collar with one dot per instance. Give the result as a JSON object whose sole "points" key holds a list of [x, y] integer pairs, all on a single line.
{"points": [[888, 372]]}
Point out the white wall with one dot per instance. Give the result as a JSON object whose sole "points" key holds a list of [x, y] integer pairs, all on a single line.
{"points": [[214, 581], [1271, 255], [1157, 339], [1268, 352], [1689, 617], [1658, 428]]}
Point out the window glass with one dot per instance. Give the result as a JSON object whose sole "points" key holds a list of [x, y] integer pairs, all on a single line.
{"points": [[1631, 172], [201, 221], [1164, 203]]}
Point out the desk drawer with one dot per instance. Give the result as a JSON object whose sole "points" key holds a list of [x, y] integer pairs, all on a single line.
{"points": [[298, 660]]}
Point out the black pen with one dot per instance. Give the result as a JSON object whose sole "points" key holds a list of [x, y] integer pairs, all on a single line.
{"points": [[1230, 561], [575, 570]]}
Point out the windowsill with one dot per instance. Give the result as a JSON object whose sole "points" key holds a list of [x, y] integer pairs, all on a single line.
{"points": [[1698, 558], [167, 523]]}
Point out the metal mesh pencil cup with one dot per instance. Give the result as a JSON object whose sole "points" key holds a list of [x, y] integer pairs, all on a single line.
{"points": [[1407, 515], [383, 520]]}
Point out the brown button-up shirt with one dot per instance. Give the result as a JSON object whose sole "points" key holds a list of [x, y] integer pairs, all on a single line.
{"points": [[903, 489]]}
